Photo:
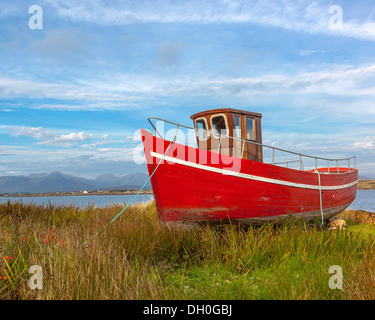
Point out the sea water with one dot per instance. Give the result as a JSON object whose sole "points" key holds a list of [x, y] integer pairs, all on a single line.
{"points": [[365, 200], [81, 201]]}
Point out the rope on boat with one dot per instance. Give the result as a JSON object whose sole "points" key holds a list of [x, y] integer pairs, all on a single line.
{"points": [[320, 195], [136, 194]]}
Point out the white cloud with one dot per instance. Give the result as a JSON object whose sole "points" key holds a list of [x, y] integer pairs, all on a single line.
{"points": [[340, 80], [364, 31], [363, 145], [136, 137], [20, 88], [67, 140], [308, 52], [103, 97], [128, 91], [47, 137], [37, 133], [292, 15]]}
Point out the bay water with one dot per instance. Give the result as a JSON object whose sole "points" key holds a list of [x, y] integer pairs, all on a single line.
{"points": [[81, 201], [365, 200]]}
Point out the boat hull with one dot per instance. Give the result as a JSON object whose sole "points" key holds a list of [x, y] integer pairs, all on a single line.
{"points": [[197, 185]]}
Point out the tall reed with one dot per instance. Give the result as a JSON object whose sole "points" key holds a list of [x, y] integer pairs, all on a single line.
{"points": [[136, 257]]}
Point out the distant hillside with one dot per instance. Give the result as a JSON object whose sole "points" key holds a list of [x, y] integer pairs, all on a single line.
{"points": [[365, 178], [59, 182]]}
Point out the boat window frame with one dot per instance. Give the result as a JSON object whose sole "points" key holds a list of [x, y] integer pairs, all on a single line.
{"points": [[234, 130], [206, 131], [226, 124], [254, 131]]}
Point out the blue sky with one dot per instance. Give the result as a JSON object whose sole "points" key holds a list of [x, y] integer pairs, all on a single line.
{"points": [[74, 94]]}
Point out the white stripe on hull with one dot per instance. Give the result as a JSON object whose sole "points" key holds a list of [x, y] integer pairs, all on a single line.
{"points": [[250, 176]]}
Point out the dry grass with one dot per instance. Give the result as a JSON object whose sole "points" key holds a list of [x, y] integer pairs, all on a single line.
{"points": [[358, 216], [138, 258], [366, 185]]}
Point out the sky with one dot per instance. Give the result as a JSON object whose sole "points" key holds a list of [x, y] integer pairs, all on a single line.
{"points": [[78, 79]]}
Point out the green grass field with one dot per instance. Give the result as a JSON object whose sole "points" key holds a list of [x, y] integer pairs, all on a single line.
{"points": [[138, 258]]}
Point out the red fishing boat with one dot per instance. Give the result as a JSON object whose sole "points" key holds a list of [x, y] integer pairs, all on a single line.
{"points": [[225, 178]]}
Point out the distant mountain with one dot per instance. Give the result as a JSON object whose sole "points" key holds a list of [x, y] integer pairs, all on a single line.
{"points": [[59, 182], [109, 181], [364, 178]]}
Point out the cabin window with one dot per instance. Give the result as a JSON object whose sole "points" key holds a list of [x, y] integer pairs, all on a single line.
{"points": [[250, 132], [201, 126], [237, 126], [219, 125]]}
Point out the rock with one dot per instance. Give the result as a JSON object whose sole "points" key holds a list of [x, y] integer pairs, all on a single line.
{"points": [[337, 223]]}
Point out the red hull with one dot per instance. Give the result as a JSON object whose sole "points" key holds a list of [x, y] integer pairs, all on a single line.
{"points": [[197, 185]]}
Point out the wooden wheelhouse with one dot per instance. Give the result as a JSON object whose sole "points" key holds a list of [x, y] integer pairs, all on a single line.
{"points": [[221, 130]]}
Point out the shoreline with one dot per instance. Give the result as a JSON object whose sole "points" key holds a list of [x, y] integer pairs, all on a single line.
{"points": [[362, 185], [366, 185], [76, 193]]}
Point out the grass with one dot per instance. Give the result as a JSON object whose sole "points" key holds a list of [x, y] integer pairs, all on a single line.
{"points": [[366, 184], [138, 258]]}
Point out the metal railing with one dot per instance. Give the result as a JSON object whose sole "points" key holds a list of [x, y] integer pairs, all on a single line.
{"points": [[273, 149]]}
